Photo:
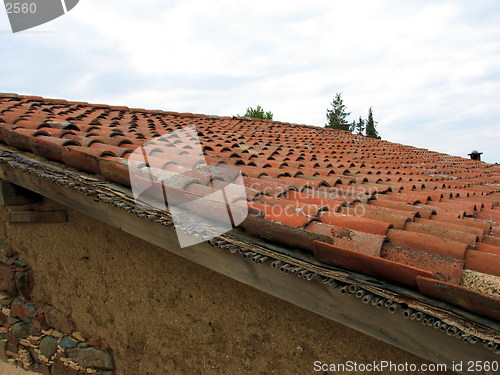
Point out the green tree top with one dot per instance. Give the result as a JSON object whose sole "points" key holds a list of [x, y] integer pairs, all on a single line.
{"points": [[258, 112], [359, 127], [336, 116], [371, 125]]}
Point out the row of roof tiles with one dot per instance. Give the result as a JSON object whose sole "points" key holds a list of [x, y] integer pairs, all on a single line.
{"points": [[409, 215]]}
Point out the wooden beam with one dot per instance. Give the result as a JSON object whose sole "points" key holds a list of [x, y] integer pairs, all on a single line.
{"points": [[13, 195]]}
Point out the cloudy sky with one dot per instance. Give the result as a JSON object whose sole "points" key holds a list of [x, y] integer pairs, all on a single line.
{"points": [[429, 69]]}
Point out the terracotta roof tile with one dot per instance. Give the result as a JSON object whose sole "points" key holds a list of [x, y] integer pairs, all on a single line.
{"points": [[484, 262], [397, 219], [368, 264], [488, 248], [367, 243], [477, 232], [440, 231], [388, 210], [465, 221], [355, 222], [281, 215], [442, 267], [428, 242], [472, 300]]}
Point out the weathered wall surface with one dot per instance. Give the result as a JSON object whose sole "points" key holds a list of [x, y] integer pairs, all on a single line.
{"points": [[27, 334], [161, 314]]}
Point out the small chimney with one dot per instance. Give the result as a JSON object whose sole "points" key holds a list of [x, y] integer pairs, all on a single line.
{"points": [[475, 155]]}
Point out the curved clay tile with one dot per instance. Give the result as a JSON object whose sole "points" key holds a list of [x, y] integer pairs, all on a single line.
{"points": [[371, 188], [340, 179], [306, 209], [465, 221], [356, 223], [280, 215], [276, 172], [398, 219], [266, 187], [115, 150], [367, 264], [461, 228], [18, 137], [114, 169], [456, 295], [423, 211], [398, 197], [427, 242], [451, 212], [83, 141], [40, 132], [442, 267], [316, 198], [349, 239], [31, 124], [303, 182], [453, 205], [484, 262], [479, 203], [83, 158], [443, 232], [50, 147], [253, 172], [118, 142], [488, 248], [490, 215], [62, 125]]}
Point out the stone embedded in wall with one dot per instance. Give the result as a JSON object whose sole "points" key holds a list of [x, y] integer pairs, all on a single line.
{"points": [[58, 320], [48, 346], [7, 280], [61, 369], [90, 357], [68, 343], [24, 282], [29, 335], [23, 311], [16, 278]]}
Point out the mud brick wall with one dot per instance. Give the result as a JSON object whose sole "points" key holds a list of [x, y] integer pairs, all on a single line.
{"points": [[162, 314], [42, 338]]}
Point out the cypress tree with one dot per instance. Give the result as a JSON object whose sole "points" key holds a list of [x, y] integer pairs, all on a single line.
{"points": [[336, 116], [360, 126], [371, 125]]}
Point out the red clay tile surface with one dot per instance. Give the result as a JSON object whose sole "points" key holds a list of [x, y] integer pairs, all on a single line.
{"points": [[400, 213]]}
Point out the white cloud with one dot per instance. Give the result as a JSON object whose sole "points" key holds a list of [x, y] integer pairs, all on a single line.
{"points": [[430, 69]]}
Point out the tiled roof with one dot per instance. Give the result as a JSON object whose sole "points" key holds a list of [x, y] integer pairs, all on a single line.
{"points": [[409, 215]]}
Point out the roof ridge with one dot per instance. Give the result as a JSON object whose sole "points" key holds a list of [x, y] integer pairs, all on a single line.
{"points": [[319, 129], [158, 111]]}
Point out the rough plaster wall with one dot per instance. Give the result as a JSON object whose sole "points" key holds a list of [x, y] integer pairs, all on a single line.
{"points": [[163, 314]]}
